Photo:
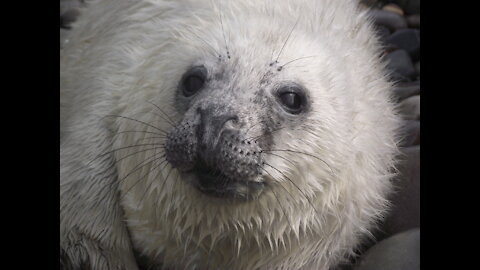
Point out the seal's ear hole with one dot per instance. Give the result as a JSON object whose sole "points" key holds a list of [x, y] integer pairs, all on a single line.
{"points": [[193, 80], [292, 99]]}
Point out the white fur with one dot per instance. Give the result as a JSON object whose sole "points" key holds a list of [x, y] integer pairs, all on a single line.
{"points": [[124, 53]]}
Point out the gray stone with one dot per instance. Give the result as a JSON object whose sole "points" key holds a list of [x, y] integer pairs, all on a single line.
{"points": [[67, 18], [404, 90], [66, 5], [369, 3], [409, 6], [408, 40], [401, 66], [69, 11], [417, 67], [404, 213], [410, 133], [410, 108], [393, 8], [399, 252], [413, 21], [389, 19]]}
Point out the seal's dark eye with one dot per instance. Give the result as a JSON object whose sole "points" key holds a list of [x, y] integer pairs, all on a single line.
{"points": [[292, 99], [192, 84], [193, 80]]}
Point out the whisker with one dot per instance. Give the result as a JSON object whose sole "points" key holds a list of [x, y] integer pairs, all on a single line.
{"points": [[174, 188], [145, 192], [308, 131], [276, 197], [306, 197], [150, 185], [286, 190], [155, 203], [288, 37], [108, 176], [282, 66], [265, 134], [139, 131], [142, 164], [169, 120], [223, 31], [134, 153], [298, 152], [279, 157], [166, 179], [143, 176], [246, 132], [201, 39], [153, 137], [132, 119], [122, 148]]}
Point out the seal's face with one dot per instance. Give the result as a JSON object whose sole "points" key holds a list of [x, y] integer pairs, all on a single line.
{"points": [[270, 142], [220, 143]]}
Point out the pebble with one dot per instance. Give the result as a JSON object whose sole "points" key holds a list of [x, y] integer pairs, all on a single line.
{"points": [[409, 6], [393, 8], [67, 18], [399, 252], [399, 62], [369, 3], [389, 19], [408, 40], [404, 90], [405, 211], [413, 21], [410, 108], [66, 5], [410, 132]]}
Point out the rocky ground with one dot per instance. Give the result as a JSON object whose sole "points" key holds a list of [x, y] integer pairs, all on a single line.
{"points": [[397, 24]]}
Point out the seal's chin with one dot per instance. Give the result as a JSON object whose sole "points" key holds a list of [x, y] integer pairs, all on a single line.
{"points": [[214, 183]]}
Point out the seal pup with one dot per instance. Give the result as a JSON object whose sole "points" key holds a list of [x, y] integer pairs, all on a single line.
{"points": [[222, 135]]}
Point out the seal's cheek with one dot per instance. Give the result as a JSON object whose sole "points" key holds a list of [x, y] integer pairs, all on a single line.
{"points": [[181, 146]]}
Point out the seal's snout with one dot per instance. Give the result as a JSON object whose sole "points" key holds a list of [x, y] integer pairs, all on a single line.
{"points": [[213, 146], [211, 126]]}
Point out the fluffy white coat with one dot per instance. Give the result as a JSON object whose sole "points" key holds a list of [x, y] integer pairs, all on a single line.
{"points": [[123, 54]]}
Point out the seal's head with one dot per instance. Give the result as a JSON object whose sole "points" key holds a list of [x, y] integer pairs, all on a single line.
{"points": [[220, 144], [265, 128]]}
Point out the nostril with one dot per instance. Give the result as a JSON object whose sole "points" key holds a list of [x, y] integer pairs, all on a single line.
{"points": [[213, 122]]}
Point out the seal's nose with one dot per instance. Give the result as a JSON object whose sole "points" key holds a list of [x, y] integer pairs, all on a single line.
{"points": [[213, 121]]}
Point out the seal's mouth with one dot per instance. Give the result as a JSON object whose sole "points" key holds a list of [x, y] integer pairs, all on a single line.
{"points": [[213, 182]]}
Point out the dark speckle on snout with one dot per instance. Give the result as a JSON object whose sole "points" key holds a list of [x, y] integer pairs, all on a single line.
{"points": [[212, 144]]}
